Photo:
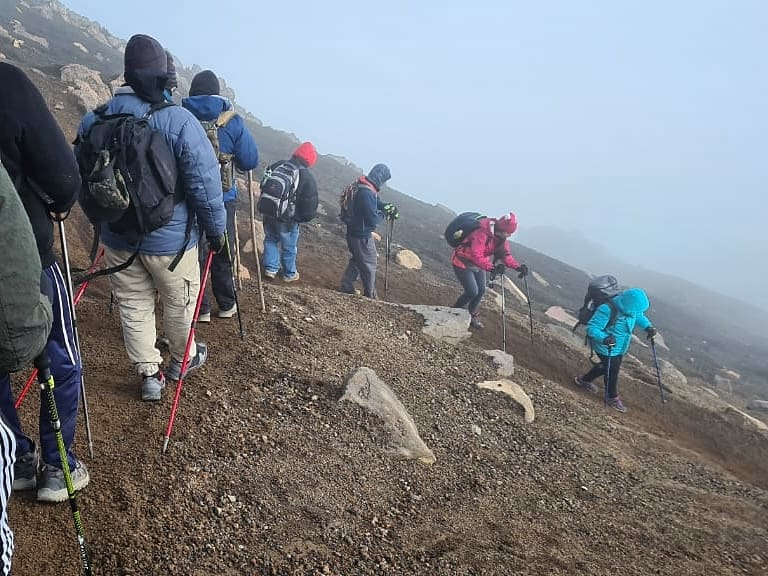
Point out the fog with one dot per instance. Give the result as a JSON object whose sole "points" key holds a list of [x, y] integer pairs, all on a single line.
{"points": [[642, 125]]}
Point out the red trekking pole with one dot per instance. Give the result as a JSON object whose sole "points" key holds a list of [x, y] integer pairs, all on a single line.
{"points": [[78, 296], [185, 360]]}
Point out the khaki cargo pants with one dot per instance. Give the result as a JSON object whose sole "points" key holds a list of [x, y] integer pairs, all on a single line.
{"points": [[135, 289]]}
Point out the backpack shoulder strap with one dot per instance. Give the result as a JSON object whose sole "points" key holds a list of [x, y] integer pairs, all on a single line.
{"points": [[224, 118], [155, 107]]}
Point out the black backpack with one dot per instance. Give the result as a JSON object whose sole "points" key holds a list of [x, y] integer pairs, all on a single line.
{"points": [[601, 290], [278, 191], [129, 173], [460, 227]]}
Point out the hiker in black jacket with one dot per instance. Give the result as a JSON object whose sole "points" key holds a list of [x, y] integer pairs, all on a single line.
{"points": [[281, 235], [41, 163]]}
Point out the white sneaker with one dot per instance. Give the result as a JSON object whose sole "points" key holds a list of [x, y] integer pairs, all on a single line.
{"points": [[227, 313], [204, 317]]}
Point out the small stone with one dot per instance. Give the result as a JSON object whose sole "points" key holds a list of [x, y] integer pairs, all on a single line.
{"points": [[208, 393], [476, 430], [314, 398], [264, 438]]}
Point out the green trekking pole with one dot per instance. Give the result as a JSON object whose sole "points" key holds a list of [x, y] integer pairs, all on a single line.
{"points": [[45, 379]]}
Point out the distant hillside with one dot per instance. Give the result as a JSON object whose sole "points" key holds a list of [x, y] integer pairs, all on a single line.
{"points": [[706, 331]]}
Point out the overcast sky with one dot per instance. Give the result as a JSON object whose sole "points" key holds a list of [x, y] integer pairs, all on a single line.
{"points": [[642, 124]]}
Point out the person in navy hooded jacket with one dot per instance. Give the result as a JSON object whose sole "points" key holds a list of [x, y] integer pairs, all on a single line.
{"points": [[202, 210], [236, 144], [366, 212]]}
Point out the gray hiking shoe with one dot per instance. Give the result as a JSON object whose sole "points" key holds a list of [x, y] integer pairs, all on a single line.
{"points": [[174, 368], [152, 387], [25, 471], [52, 486], [587, 385], [476, 324]]}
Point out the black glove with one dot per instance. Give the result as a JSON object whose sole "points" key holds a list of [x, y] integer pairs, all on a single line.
{"points": [[651, 332], [217, 244], [523, 271], [609, 340], [497, 271], [390, 210]]}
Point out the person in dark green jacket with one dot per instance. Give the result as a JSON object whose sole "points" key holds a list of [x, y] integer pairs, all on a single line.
{"points": [[25, 321]]}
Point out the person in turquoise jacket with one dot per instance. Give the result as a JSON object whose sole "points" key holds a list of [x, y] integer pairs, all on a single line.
{"points": [[610, 331]]}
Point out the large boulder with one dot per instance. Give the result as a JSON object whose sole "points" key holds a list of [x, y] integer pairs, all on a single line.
{"points": [[248, 248], [86, 84], [408, 259], [365, 388], [559, 314], [443, 323]]}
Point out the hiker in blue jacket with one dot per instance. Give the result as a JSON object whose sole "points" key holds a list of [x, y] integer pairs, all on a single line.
{"points": [[237, 149], [366, 212], [610, 331], [135, 287]]}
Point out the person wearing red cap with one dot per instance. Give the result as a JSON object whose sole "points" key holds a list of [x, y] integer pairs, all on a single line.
{"points": [[237, 149], [485, 249], [281, 235]]}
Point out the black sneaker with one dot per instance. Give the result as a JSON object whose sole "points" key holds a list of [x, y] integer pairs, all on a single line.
{"points": [[588, 386], [476, 324], [25, 471]]}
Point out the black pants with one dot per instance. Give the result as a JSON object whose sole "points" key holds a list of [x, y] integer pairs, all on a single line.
{"points": [[600, 370], [221, 273]]}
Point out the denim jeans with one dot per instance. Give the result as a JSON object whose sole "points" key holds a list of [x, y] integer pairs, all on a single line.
{"points": [[473, 282], [281, 243]]}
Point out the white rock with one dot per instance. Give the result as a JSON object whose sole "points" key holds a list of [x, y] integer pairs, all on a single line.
{"points": [[504, 362], [89, 88], [514, 391], [443, 323], [408, 259]]}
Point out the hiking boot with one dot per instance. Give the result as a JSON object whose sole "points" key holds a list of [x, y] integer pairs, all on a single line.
{"points": [[204, 317], [293, 278], [227, 313], [476, 324], [270, 275], [617, 404], [152, 387], [587, 385], [174, 368], [52, 486], [25, 471]]}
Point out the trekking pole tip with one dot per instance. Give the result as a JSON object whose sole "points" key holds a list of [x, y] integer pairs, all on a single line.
{"points": [[165, 444]]}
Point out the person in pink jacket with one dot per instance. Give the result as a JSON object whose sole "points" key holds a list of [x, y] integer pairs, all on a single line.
{"points": [[486, 249]]}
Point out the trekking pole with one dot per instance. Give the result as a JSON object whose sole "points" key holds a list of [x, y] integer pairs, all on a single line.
{"points": [[45, 378], [503, 316], [253, 239], [73, 318], [235, 290], [658, 370], [237, 253], [528, 297], [607, 378], [388, 241], [185, 360], [78, 296]]}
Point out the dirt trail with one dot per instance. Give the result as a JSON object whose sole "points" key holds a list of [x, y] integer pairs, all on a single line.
{"points": [[268, 473]]}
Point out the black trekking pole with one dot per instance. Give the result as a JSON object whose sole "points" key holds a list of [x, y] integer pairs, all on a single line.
{"points": [[234, 287], [528, 297], [607, 378], [45, 378], [73, 318], [658, 370], [503, 316], [390, 229]]}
